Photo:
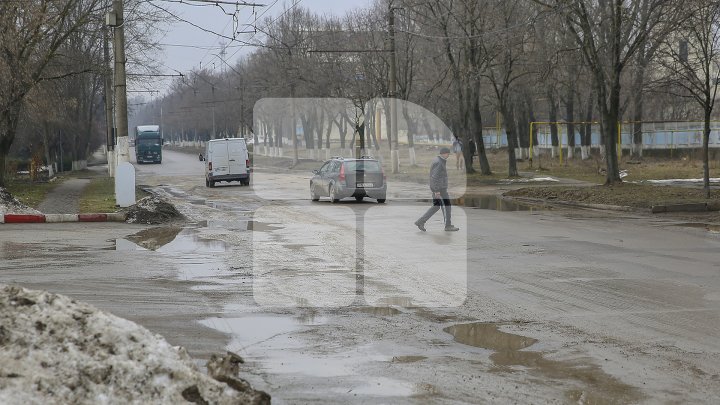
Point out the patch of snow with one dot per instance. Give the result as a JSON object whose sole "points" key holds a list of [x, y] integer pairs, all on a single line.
{"points": [[675, 181], [54, 349], [532, 180], [10, 205]]}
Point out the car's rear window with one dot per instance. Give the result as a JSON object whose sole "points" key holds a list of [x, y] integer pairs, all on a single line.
{"points": [[363, 166]]}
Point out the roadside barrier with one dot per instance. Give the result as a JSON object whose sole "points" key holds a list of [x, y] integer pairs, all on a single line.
{"points": [[58, 218]]}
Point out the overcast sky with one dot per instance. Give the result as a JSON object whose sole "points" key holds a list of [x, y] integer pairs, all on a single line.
{"points": [[188, 47]]}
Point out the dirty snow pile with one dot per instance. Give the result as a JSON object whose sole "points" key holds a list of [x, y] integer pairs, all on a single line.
{"points": [[10, 205], [56, 350], [152, 211]]}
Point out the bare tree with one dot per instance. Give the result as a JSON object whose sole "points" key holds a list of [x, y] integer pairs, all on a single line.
{"points": [[31, 33], [691, 58], [609, 33], [508, 48]]}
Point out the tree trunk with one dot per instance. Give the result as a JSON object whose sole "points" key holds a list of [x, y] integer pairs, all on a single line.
{"points": [[476, 119], [609, 130], [411, 131], [553, 126], [706, 141], [570, 118], [511, 138], [586, 138], [638, 84], [8, 125]]}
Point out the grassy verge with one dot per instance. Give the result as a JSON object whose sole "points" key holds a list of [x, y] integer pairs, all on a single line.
{"points": [[99, 196], [29, 193]]}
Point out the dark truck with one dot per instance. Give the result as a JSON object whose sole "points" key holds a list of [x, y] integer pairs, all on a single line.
{"points": [[148, 144]]}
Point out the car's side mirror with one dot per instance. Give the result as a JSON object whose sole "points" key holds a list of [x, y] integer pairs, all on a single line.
{"points": [[316, 171], [201, 157]]}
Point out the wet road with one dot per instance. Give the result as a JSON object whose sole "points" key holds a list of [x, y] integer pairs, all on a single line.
{"points": [[351, 303]]}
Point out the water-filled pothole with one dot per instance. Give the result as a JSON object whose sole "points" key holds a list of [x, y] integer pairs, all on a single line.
{"points": [[154, 238], [509, 353], [379, 311]]}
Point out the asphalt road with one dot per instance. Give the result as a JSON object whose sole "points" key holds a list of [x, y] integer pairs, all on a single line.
{"points": [[351, 303]]}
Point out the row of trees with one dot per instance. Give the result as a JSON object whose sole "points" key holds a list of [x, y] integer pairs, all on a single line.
{"points": [[463, 60], [52, 71]]}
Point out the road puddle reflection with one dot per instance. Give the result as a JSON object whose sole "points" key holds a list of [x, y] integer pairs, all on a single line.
{"points": [[597, 386], [154, 238], [487, 336], [404, 302], [379, 311], [195, 258]]}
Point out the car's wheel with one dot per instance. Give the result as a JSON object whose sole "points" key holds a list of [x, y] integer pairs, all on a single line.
{"points": [[358, 198], [212, 183], [381, 201], [246, 182], [333, 195], [313, 195]]}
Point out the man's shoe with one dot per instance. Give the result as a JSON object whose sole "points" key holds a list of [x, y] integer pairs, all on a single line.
{"points": [[451, 228], [420, 225]]}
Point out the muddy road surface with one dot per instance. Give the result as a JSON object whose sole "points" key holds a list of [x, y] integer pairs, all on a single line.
{"points": [[351, 303]]}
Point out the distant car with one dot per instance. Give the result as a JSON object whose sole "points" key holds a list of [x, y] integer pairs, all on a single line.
{"points": [[341, 178]]}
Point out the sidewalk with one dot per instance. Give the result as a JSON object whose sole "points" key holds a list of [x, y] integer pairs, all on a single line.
{"points": [[62, 204], [64, 198]]}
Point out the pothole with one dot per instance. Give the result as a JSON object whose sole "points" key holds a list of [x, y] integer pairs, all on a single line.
{"points": [[509, 355]]}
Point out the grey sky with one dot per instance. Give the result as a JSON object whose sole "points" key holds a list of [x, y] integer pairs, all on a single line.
{"points": [[183, 42]]}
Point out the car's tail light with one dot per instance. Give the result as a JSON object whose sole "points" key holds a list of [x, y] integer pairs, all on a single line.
{"points": [[342, 173], [210, 166], [247, 163]]}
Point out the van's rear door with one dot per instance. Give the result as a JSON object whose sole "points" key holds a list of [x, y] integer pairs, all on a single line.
{"points": [[237, 156], [218, 156]]}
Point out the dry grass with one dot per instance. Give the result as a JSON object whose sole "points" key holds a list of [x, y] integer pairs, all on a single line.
{"points": [[29, 193]]}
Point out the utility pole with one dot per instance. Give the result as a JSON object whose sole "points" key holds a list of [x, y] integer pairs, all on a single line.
{"points": [[124, 171], [110, 141], [394, 153], [162, 127], [121, 118], [293, 129]]}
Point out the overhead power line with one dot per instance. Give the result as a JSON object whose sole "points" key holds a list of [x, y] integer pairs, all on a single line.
{"points": [[211, 2]]}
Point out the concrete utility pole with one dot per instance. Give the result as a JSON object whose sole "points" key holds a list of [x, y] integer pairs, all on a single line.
{"points": [[293, 126], [121, 118], [110, 141], [394, 152], [124, 171]]}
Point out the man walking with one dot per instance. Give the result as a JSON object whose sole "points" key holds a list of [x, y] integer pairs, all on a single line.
{"points": [[439, 187]]}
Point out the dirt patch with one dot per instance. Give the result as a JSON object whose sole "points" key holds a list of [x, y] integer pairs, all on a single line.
{"points": [[153, 211], [56, 350], [631, 195]]}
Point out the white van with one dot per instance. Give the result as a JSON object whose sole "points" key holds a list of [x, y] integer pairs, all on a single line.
{"points": [[227, 160]]}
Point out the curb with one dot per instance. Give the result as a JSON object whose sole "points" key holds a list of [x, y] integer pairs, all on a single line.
{"points": [[60, 218]]}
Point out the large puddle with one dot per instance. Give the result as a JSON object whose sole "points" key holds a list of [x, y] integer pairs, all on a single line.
{"points": [[196, 258], [509, 355], [275, 343]]}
